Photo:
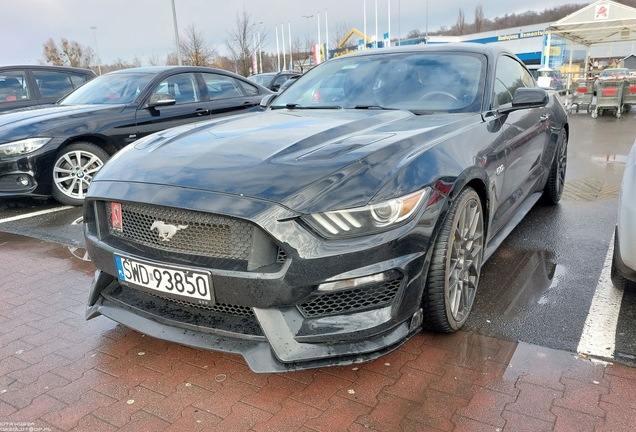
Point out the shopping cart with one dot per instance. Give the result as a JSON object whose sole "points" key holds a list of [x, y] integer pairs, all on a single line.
{"points": [[629, 93], [581, 94], [609, 97]]}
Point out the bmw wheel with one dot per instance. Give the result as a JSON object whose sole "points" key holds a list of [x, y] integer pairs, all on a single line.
{"points": [[556, 178], [74, 169], [455, 266]]}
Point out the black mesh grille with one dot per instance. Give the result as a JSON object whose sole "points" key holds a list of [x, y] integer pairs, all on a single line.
{"points": [[351, 300], [218, 307], [282, 256], [196, 233]]}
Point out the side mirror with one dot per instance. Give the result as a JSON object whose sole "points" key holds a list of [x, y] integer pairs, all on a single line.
{"points": [[161, 99], [275, 88], [525, 98], [267, 100]]}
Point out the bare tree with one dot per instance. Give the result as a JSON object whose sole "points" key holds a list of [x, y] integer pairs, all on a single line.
{"points": [[460, 27], [479, 19], [339, 33], [302, 51], [155, 60], [122, 64], [195, 51], [69, 53], [240, 42]]}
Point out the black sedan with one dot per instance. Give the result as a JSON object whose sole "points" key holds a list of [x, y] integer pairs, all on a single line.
{"points": [[333, 226], [58, 149], [273, 80]]}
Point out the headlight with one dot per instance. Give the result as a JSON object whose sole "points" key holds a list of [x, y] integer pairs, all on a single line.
{"points": [[22, 147], [369, 219]]}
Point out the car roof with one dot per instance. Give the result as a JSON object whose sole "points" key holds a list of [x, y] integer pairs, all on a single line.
{"points": [[160, 69], [460, 47], [49, 67]]}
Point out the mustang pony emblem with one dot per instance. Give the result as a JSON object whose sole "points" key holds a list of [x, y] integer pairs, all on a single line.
{"points": [[166, 231]]}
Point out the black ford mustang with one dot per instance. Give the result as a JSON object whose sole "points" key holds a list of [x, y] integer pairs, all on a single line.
{"points": [[356, 210], [56, 150]]}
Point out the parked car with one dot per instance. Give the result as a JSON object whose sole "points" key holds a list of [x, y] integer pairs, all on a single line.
{"points": [[624, 260], [615, 73], [58, 149], [273, 80], [327, 232], [287, 83], [546, 77], [24, 86]]}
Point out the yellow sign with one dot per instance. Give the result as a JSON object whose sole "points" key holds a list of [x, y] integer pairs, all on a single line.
{"points": [[554, 51]]}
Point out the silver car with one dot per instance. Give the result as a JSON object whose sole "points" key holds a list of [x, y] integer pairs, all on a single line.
{"points": [[624, 260]]}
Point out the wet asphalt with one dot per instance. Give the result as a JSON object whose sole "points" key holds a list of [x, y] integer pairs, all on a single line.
{"points": [[538, 286]]}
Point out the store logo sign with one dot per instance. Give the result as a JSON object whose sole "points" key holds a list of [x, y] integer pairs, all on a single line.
{"points": [[601, 12]]}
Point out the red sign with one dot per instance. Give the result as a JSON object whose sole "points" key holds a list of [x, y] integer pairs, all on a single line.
{"points": [[115, 216]]}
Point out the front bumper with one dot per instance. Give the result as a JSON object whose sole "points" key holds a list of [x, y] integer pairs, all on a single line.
{"points": [[30, 174], [275, 316]]}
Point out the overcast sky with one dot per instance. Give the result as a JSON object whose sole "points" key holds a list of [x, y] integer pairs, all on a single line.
{"points": [[143, 28]]}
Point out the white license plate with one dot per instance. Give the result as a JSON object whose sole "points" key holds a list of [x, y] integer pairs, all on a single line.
{"points": [[177, 281]]}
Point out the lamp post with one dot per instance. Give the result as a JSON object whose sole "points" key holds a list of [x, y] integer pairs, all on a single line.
{"points": [[426, 34], [257, 46], [99, 67], [176, 33]]}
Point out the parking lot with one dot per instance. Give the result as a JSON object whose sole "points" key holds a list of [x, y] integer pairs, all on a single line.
{"points": [[531, 356]]}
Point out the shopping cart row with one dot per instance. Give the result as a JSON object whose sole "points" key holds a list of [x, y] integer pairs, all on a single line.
{"points": [[612, 95]]}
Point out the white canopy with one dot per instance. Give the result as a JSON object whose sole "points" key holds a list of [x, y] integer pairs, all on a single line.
{"points": [[603, 21]]}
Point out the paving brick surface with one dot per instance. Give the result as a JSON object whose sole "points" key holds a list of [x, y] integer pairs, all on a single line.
{"points": [[65, 374]]}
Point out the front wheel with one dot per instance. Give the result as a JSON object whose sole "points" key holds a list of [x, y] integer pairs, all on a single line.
{"points": [[455, 266], [73, 171], [556, 178]]}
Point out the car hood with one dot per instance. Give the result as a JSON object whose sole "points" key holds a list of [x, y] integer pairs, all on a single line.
{"points": [[34, 121], [292, 157]]}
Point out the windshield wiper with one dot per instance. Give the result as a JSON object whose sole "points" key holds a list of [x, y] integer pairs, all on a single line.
{"points": [[298, 106], [373, 107]]}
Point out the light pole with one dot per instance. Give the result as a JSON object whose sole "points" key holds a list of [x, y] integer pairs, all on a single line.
{"points": [[426, 35], [176, 33], [99, 67], [257, 46]]}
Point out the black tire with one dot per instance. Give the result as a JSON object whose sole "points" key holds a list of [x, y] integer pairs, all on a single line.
{"points": [[556, 178], [450, 290], [74, 167], [620, 282]]}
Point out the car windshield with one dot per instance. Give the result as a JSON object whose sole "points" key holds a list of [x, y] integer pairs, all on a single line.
{"points": [[415, 81], [614, 72], [264, 80], [121, 88]]}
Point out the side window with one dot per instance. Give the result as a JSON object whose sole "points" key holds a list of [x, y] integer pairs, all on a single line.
{"points": [[509, 76], [13, 86], [248, 88], [183, 87], [53, 84], [221, 86], [280, 80], [78, 79]]}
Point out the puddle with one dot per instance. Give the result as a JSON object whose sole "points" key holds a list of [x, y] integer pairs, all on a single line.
{"points": [[531, 278]]}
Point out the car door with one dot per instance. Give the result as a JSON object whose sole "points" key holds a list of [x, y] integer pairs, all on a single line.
{"points": [[229, 95], [189, 105], [526, 133], [15, 89]]}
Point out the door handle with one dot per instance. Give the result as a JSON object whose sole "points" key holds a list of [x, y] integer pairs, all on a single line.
{"points": [[202, 111]]}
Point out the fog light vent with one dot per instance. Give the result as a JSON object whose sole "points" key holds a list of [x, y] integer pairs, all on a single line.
{"points": [[354, 300]]}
